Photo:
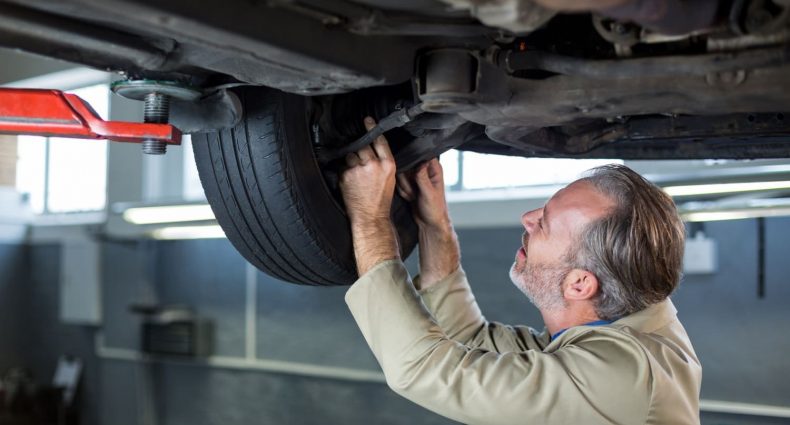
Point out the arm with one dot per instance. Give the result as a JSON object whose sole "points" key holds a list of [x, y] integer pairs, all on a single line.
{"points": [[439, 252], [442, 282], [453, 306], [368, 186], [598, 380]]}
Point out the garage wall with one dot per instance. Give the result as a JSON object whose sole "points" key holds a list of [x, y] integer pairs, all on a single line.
{"points": [[14, 277], [739, 337]]}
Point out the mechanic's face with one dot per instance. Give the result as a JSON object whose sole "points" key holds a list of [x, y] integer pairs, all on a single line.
{"points": [[541, 265]]}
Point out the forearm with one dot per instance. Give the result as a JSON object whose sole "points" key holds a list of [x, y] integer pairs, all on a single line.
{"points": [[374, 241], [439, 253]]}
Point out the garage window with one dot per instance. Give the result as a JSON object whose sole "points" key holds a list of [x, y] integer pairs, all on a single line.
{"points": [[463, 171], [469, 171], [60, 175], [193, 189]]}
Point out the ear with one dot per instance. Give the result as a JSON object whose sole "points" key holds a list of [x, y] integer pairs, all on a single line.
{"points": [[580, 285]]}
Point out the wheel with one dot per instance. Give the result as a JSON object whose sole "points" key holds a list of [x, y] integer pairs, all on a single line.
{"points": [[269, 195]]}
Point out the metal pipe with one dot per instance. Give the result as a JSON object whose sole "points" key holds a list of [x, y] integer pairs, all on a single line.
{"points": [[50, 35], [665, 66]]}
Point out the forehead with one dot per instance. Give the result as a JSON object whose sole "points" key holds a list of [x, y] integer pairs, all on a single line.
{"points": [[576, 205]]}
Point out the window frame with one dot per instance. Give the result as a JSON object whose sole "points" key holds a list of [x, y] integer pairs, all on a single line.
{"points": [[68, 80]]}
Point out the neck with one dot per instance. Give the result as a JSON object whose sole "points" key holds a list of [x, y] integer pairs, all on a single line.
{"points": [[568, 317]]}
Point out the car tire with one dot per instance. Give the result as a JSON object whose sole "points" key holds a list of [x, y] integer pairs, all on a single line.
{"points": [[269, 195]]}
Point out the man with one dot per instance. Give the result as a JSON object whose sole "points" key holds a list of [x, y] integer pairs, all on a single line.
{"points": [[598, 260]]}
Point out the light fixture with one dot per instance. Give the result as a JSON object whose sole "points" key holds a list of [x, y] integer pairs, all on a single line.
{"points": [[717, 188], [188, 232], [733, 213], [168, 214]]}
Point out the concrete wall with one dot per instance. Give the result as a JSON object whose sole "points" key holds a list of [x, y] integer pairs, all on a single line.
{"points": [[739, 337]]}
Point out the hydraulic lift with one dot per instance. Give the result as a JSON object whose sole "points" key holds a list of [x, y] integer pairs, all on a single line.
{"points": [[54, 113]]}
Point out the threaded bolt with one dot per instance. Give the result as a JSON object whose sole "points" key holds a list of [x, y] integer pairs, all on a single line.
{"points": [[156, 111]]}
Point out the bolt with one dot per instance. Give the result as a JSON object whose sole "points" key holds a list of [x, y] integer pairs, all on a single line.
{"points": [[156, 111]]}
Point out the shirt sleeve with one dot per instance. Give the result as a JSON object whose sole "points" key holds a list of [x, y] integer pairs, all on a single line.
{"points": [[600, 380], [453, 306]]}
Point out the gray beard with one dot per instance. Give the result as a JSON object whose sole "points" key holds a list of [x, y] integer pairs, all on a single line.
{"points": [[542, 284]]}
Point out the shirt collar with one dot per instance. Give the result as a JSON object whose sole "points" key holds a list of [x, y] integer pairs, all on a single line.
{"points": [[651, 318], [593, 323]]}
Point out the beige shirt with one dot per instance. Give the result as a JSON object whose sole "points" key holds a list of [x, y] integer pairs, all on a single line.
{"points": [[437, 350]]}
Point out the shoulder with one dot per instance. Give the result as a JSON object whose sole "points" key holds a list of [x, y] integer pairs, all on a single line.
{"points": [[610, 366], [610, 346], [608, 352], [526, 338]]}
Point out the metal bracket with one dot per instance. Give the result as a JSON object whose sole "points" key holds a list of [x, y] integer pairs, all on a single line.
{"points": [[54, 113], [219, 111]]}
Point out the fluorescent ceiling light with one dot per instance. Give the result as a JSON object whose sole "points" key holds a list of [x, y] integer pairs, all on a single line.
{"points": [[734, 214], [710, 189], [168, 214], [188, 232]]}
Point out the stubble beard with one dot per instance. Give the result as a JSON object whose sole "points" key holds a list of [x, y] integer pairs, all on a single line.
{"points": [[541, 283]]}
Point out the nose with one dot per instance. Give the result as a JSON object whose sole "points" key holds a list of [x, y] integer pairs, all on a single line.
{"points": [[530, 219]]}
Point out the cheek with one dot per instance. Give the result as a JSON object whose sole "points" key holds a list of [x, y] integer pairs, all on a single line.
{"points": [[541, 253]]}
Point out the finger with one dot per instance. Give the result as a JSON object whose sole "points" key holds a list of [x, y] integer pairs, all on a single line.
{"points": [[434, 166], [352, 160], [422, 177], [435, 172], [365, 155], [369, 123], [405, 187], [380, 146], [404, 195]]}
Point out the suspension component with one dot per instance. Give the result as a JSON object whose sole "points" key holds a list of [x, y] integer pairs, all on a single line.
{"points": [[394, 120], [156, 95]]}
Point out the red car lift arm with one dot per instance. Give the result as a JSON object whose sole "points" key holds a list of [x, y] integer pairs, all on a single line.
{"points": [[54, 113]]}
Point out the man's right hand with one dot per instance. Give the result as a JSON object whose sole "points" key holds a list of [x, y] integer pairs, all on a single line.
{"points": [[439, 252], [424, 188]]}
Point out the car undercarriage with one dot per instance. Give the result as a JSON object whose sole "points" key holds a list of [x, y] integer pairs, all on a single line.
{"points": [[541, 83], [629, 79]]}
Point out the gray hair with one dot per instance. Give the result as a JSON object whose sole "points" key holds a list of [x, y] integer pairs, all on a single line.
{"points": [[636, 250]]}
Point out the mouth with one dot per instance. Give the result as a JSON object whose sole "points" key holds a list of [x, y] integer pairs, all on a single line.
{"points": [[522, 250]]}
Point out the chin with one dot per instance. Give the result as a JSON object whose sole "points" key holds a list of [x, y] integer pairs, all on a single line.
{"points": [[515, 276]]}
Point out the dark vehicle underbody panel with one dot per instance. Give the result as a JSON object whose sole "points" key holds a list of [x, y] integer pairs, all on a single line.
{"points": [[565, 88], [252, 42]]}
